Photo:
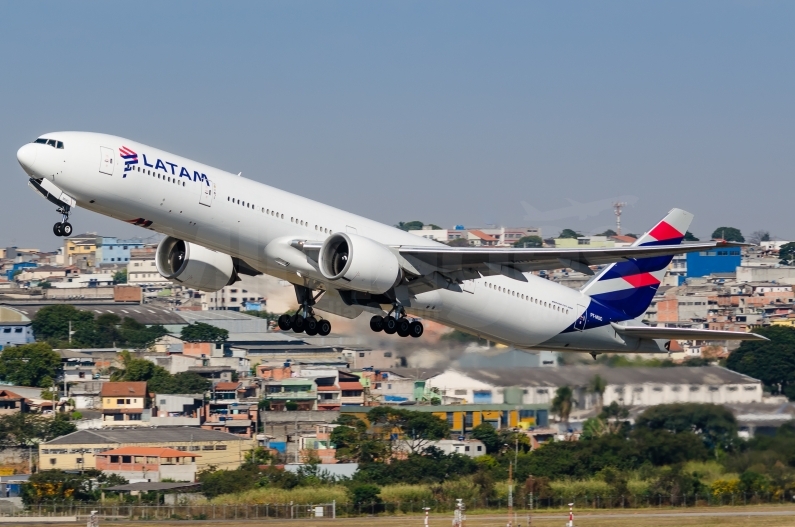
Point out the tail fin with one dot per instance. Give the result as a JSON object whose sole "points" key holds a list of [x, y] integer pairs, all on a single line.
{"points": [[629, 287]]}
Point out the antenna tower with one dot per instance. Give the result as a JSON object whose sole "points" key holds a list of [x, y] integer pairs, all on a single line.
{"points": [[617, 206]]}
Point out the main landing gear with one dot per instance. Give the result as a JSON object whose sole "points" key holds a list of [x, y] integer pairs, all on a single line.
{"points": [[304, 320], [396, 321], [63, 227]]}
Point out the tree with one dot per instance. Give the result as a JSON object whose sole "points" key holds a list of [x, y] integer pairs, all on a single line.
{"points": [[30, 365], [529, 241], [416, 429], [486, 433], [25, 429], [410, 225], [354, 443], [201, 332], [758, 237], [730, 234], [771, 361], [120, 277], [714, 423], [51, 323], [365, 494], [597, 385], [569, 233], [458, 242], [563, 403], [608, 232], [689, 237], [786, 253]]}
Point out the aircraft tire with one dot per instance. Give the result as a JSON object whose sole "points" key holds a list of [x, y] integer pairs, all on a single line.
{"points": [[310, 326], [285, 322], [66, 229], [416, 329], [323, 328], [390, 325], [403, 326], [377, 323], [57, 229], [298, 323]]}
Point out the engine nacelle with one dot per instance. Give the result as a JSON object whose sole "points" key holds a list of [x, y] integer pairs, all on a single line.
{"points": [[361, 263], [193, 265]]}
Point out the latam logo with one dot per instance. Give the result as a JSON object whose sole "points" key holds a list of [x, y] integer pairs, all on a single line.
{"points": [[130, 158], [172, 168]]}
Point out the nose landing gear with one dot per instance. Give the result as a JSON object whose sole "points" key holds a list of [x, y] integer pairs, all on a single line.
{"points": [[63, 227]]}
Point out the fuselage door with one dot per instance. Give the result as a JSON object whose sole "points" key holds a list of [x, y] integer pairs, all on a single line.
{"points": [[208, 191], [468, 286], [579, 324], [106, 160]]}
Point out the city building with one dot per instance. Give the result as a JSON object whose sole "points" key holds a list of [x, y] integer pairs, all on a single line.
{"points": [[124, 403], [111, 250], [78, 450], [233, 298], [479, 236], [149, 463], [142, 269], [15, 328], [81, 250], [12, 403], [705, 263]]}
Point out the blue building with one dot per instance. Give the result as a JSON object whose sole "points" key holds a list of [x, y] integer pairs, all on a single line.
{"points": [[114, 251], [705, 263], [19, 266]]}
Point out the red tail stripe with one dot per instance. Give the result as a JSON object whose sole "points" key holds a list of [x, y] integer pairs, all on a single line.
{"points": [[641, 280], [664, 231]]}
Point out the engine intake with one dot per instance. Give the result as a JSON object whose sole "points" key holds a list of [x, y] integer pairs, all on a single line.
{"points": [[193, 265], [364, 264]]}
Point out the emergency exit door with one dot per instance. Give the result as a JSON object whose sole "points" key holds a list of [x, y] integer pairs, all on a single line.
{"points": [[106, 160]]}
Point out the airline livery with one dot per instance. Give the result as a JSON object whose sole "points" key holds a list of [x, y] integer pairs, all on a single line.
{"points": [[219, 226]]}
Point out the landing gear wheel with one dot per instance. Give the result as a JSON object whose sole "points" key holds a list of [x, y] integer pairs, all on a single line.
{"points": [[285, 322], [377, 323], [416, 329], [57, 229], [310, 326], [66, 229], [403, 326], [390, 325], [298, 323], [323, 328]]}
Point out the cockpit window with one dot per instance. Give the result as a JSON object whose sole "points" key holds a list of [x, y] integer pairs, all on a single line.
{"points": [[52, 142]]}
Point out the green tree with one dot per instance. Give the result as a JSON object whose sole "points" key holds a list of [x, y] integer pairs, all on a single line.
{"points": [[201, 332], [563, 403], [715, 424], [410, 225], [529, 242], [689, 237], [25, 429], [730, 234], [772, 361], [30, 365], [486, 433], [458, 242], [51, 323], [597, 386], [354, 443], [786, 253], [137, 335], [608, 232], [120, 277], [365, 494], [569, 233], [416, 429]]}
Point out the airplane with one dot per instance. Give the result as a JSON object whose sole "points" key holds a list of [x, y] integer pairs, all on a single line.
{"points": [[219, 226]]}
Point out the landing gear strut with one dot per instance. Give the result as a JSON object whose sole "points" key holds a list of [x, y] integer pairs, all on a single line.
{"points": [[304, 320], [63, 227], [396, 321]]}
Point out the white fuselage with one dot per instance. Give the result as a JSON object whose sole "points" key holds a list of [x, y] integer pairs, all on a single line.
{"points": [[252, 221]]}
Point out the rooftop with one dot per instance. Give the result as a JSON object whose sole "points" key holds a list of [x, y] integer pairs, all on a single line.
{"points": [[145, 435], [151, 451], [124, 389]]}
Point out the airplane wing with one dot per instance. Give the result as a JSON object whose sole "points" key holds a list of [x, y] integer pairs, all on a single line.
{"points": [[649, 332], [469, 261]]}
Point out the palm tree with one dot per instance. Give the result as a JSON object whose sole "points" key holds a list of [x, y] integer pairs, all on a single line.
{"points": [[598, 386], [563, 403]]}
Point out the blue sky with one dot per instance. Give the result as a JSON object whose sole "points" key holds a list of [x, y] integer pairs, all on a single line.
{"points": [[446, 112]]}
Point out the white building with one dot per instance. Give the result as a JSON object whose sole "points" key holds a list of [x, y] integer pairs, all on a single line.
{"points": [[496, 236], [627, 386], [142, 269], [233, 297]]}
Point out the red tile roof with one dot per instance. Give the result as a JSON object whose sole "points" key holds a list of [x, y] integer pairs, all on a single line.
{"points": [[227, 386], [483, 236], [355, 385], [123, 389], [148, 451], [6, 394]]}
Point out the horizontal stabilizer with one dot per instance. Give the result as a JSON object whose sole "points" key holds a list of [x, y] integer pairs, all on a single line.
{"points": [[648, 332]]}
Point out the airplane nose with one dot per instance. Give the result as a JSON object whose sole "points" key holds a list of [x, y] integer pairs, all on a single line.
{"points": [[27, 157]]}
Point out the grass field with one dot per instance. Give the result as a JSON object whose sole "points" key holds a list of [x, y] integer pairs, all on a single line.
{"points": [[723, 516]]}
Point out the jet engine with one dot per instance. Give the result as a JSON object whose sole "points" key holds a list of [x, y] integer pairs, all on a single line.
{"points": [[193, 265], [360, 263]]}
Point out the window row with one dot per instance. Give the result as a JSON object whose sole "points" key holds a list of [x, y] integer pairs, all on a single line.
{"points": [[278, 215], [158, 175], [527, 298]]}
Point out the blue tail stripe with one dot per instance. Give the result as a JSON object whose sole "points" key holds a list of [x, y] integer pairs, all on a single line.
{"points": [[632, 302]]}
